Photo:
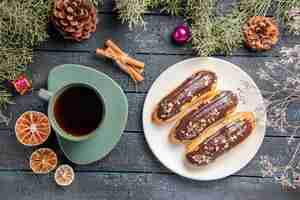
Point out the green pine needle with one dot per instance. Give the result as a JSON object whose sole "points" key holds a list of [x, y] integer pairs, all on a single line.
{"points": [[97, 3], [5, 99], [212, 32], [23, 23], [12, 62], [173, 7], [132, 11], [284, 6]]}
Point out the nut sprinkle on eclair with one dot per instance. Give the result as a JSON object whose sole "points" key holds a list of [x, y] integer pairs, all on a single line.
{"points": [[220, 138], [192, 124], [198, 87]]}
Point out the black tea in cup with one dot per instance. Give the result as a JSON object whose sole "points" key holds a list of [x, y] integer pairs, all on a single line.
{"points": [[79, 110]]}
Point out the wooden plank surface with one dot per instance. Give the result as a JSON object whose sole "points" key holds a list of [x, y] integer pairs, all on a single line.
{"points": [[154, 39], [131, 171], [155, 65], [134, 123], [130, 155], [92, 186]]}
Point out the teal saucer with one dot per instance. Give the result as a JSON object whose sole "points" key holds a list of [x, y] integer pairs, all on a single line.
{"points": [[115, 118]]}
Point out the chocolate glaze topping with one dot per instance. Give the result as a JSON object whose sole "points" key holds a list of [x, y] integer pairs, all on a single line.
{"points": [[194, 86], [201, 118], [222, 141]]}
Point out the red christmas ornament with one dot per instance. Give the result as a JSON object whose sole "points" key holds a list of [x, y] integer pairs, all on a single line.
{"points": [[182, 34], [22, 84]]}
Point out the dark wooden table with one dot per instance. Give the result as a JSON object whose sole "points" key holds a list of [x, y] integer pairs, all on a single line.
{"points": [[131, 171]]}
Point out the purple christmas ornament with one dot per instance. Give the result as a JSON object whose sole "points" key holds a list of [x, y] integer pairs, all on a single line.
{"points": [[181, 34]]}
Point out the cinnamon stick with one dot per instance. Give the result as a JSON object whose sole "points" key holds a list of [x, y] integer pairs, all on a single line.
{"points": [[117, 56], [115, 47], [133, 72], [129, 65], [129, 70], [134, 62], [139, 70], [124, 57], [104, 53]]}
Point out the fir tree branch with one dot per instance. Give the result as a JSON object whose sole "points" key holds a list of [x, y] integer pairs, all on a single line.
{"points": [[12, 62], [254, 7], [283, 6], [97, 3], [5, 98], [214, 33], [132, 11], [172, 7], [23, 23]]}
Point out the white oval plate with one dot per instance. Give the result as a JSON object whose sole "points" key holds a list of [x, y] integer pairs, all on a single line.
{"points": [[230, 77]]}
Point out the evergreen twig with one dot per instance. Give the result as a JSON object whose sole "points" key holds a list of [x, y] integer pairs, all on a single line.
{"points": [[132, 11], [212, 32], [284, 6], [12, 62], [23, 23], [5, 98], [97, 3]]}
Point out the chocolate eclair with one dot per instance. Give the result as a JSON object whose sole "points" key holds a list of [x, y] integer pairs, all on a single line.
{"points": [[198, 88], [196, 121], [220, 138]]}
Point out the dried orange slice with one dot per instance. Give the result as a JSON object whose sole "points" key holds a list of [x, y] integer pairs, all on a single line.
{"points": [[32, 128], [43, 161], [64, 175]]}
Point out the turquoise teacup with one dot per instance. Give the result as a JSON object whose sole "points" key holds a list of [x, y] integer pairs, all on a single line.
{"points": [[66, 113]]}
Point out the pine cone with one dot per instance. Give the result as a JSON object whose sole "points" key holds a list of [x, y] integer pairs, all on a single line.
{"points": [[261, 33], [75, 19]]}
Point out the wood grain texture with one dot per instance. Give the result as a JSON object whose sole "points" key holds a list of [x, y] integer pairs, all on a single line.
{"points": [[134, 124], [131, 171], [132, 154], [43, 62], [155, 65], [154, 39], [98, 186]]}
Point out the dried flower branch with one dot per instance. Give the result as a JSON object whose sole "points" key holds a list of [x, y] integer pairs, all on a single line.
{"points": [[4, 119], [284, 6], [293, 20], [283, 93]]}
